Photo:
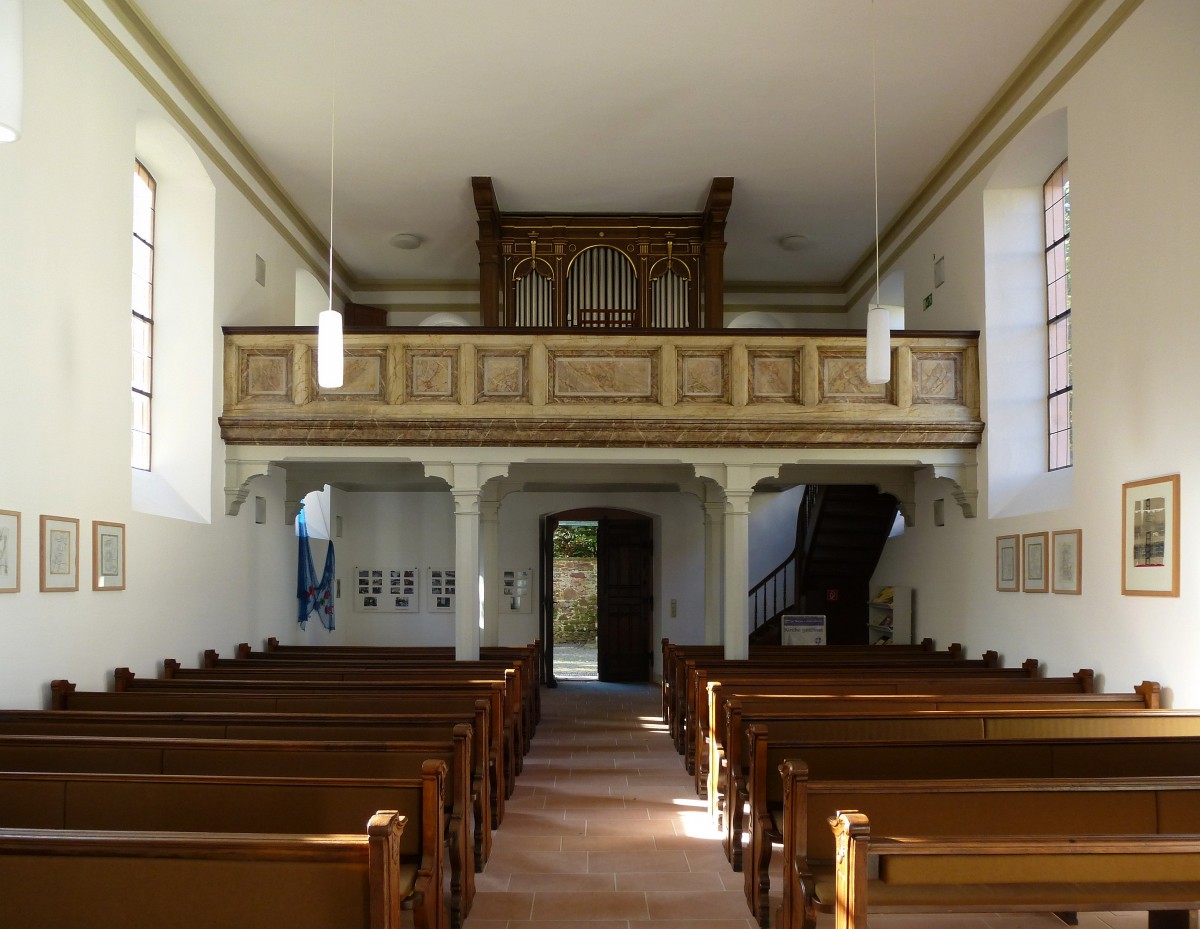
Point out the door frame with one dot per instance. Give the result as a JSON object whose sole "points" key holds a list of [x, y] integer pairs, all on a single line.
{"points": [[550, 522]]}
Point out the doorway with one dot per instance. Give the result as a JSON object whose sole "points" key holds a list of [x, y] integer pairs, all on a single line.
{"points": [[620, 545]]}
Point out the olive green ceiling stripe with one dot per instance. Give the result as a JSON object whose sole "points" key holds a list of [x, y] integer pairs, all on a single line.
{"points": [[147, 80], [1039, 102]]}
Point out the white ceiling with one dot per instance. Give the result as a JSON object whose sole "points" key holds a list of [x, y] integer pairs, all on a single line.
{"points": [[600, 105]]}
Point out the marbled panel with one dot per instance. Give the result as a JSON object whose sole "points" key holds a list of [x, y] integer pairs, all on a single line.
{"points": [[703, 376], [844, 379], [937, 377], [502, 376], [432, 374], [265, 375], [774, 376], [364, 376], [601, 376]]}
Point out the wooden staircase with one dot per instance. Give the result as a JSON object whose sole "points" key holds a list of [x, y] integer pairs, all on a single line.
{"points": [[840, 533]]}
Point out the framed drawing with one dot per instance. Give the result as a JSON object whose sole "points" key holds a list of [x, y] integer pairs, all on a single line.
{"points": [[1067, 569], [1008, 563], [108, 556], [10, 552], [1150, 537], [59, 553], [1035, 557]]}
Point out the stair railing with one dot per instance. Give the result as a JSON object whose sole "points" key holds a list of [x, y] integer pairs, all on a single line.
{"points": [[776, 593]]}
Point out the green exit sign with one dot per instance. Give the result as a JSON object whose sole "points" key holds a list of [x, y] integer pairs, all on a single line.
{"points": [[928, 301]]}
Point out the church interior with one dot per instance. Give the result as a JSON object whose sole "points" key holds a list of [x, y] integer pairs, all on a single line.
{"points": [[618, 265]]}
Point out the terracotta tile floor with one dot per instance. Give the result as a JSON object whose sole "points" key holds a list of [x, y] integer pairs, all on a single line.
{"points": [[604, 831]]}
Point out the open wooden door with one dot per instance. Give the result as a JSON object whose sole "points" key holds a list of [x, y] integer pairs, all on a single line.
{"points": [[626, 598]]}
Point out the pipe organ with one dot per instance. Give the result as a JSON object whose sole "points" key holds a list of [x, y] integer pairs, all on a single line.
{"points": [[602, 270]]}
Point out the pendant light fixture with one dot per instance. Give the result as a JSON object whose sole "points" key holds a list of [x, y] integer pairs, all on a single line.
{"points": [[11, 68], [330, 348], [879, 317]]}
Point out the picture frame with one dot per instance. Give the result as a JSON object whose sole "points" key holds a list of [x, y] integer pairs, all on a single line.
{"points": [[10, 552], [1150, 537], [1035, 562], [442, 589], [1008, 563], [1066, 547], [108, 555], [386, 590], [59, 554]]}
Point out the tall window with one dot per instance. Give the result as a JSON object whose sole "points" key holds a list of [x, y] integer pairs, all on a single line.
{"points": [[1057, 198], [143, 311]]}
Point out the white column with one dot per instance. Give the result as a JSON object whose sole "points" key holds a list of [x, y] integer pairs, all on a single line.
{"points": [[489, 523], [714, 565], [737, 573], [466, 571]]}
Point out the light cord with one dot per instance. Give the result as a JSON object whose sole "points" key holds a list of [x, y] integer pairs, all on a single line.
{"points": [[332, 148], [875, 149]]}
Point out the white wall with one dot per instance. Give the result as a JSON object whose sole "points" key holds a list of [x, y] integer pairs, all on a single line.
{"points": [[1134, 145], [66, 191]]}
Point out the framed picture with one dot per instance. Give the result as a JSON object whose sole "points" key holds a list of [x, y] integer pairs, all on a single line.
{"points": [[385, 590], [108, 556], [1150, 537], [442, 588], [1067, 570], [10, 552], [1008, 563], [1035, 557], [59, 553]]}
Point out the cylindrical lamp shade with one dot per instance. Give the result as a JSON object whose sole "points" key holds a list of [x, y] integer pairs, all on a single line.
{"points": [[879, 345], [329, 349], [11, 91]]}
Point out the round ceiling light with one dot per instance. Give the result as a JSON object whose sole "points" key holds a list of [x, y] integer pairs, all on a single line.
{"points": [[793, 243], [406, 241]]}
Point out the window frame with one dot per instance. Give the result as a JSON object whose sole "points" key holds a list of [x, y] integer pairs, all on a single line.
{"points": [[142, 349], [1060, 394]]}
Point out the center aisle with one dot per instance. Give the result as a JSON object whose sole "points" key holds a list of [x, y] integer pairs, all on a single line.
{"points": [[604, 827], [604, 831]]}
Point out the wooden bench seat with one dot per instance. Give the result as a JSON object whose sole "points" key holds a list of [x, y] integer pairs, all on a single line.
{"points": [[919, 872], [693, 699], [104, 879], [739, 704], [523, 698], [206, 804], [402, 700], [754, 809], [275, 758], [817, 779]]}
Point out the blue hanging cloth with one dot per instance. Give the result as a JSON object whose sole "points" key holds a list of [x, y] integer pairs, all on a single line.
{"points": [[314, 596]]}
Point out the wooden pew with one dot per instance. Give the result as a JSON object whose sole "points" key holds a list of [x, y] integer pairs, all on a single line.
{"points": [[1012, 873], [104, 879], [528, 656], [522, 663], [737, 703], [862, 673], [280, 726], [518, 710], [186, 803], [274, 758], [1038, 755], [402, 702], [671, 651], [784, 660]]}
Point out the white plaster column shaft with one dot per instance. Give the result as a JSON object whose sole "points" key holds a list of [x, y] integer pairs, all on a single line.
{"points": [[737, 574], [714, 567], [466, 571], [489, 523]]}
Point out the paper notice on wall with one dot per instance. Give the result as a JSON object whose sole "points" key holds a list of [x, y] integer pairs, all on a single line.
{"points": [[803, 629]]}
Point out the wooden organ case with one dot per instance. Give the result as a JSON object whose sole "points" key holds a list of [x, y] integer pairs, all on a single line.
{"points": [[602, 270]]}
